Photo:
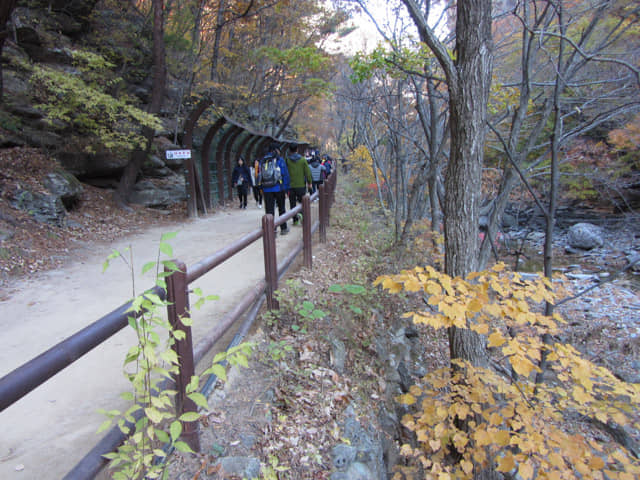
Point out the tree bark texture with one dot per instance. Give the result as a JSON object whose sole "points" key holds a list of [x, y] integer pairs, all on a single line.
{"points": [[139, 155], [468, 94], [6, 9]]}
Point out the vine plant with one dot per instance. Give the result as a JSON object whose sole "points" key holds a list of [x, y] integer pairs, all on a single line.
{"points": [[468, 420], [150, 421]]}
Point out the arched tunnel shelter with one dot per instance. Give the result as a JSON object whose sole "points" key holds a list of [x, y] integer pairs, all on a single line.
{"points": [[224, 142]]}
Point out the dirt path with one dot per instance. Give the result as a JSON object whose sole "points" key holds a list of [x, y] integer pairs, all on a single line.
{"points": [[48, 431]]}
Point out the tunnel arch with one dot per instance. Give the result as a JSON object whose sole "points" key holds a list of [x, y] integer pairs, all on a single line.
{"points": [[224, 141]]}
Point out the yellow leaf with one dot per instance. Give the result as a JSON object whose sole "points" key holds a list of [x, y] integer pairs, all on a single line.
{"points": [[482, 438], [522, 366], [495, 419], [412, 285], [556, 460], [474, 305], [501, 437], [467, 466], [506, 463], [406, 399], [596, 463], [496, 339], [481, 328], [434, 288], [434, 445], [525, 471]]}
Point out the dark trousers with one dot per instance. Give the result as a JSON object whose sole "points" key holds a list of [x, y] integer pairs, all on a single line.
{"points": [[242, 195], [257, 194], [315, 185], [295, 197], [270, 201]]}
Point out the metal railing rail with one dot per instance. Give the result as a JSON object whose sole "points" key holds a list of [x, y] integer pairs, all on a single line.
{"points": [[33, 373]]}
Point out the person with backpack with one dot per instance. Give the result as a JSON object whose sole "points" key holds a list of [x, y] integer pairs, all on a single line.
{"points": [[274, 181], [241, 178], [318, 172], [300, 177]]}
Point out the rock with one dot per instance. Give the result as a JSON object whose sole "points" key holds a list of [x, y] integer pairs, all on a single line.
{"points": [[342, 456], [634, 262], [585, 236], [355, 471], [85, 165], [242, 467], [161, 194], [65, 186], [338, 355], [154, 167], [44, 208]]}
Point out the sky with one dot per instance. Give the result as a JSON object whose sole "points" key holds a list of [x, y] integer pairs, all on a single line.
{"points": [[366, 36]]}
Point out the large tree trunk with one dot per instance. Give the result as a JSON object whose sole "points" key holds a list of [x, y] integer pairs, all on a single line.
{"points": [[468, 94], [138, 156], [6, 9]]}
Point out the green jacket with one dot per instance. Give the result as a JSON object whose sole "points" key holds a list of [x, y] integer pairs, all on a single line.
{"points": [[299, 171]]}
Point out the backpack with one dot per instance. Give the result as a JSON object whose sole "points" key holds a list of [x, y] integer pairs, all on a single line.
{"points": [[270, 174]]}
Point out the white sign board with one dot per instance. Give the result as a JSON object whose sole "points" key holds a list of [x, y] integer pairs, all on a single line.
{"points": [[173, 154]]}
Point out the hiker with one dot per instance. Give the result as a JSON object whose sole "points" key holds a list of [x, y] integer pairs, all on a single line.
{"points": [[300, 178], [241, 178], [257, 191], [318, 172], [274, 180]]}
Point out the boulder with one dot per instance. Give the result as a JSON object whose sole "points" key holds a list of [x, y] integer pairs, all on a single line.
{"points": [[46, 208], [162, 194], [86, 165], [154, 167], [77, 9], [65, 186], [585, 236]]}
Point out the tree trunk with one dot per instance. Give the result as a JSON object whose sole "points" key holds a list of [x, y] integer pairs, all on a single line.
{"points": [[468, 82], [468, 94], [138, 156], [6, 9]]}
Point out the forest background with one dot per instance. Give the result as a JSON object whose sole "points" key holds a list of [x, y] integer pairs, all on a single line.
{"points": [[460, 115]]}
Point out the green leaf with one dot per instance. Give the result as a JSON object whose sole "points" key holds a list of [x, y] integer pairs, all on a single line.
{"points": [[335, 288], [176, 430], [218, 370], [355, 289], [197, 291], [148, 266], [190, 417], [199, 399], [162, 436], [242, 360], [183, 447], [307, 305], [168, 236], [158, 452], [106, 424], [153, 414], [166, 249]]}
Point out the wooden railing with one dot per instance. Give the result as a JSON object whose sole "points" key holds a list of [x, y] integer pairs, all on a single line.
{"points": [[35, 372]]}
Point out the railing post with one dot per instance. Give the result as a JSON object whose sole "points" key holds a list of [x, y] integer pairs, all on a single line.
{"points": [[270, 260], [306, 232], [178, 298], [322, 213]]}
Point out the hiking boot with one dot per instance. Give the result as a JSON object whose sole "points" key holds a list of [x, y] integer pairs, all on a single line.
{"points": [[284, 231]]}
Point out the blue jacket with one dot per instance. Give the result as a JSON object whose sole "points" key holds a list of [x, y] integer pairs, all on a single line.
{"points": [[241, 171], [284, 185]]}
